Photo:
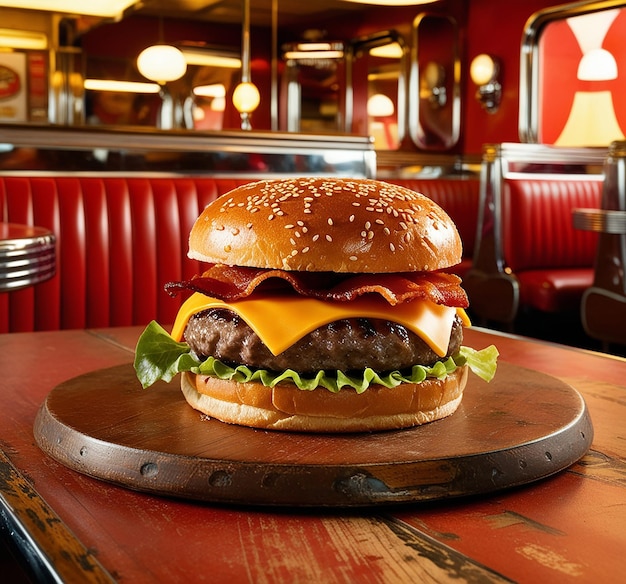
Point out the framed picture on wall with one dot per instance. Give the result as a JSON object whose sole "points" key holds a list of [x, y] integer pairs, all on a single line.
{"points": [[13, 87]]}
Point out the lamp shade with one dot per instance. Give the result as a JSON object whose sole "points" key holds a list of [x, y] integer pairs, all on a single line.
{"points": [[483, 69], [246, 97], [162, 63], [597, 65], [380, 106]]}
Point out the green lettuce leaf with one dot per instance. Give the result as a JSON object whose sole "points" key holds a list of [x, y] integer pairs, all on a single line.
{"points": [[159, 357]]}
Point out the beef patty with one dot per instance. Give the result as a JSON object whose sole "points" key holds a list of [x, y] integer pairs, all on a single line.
{"points": [[350, 344]]}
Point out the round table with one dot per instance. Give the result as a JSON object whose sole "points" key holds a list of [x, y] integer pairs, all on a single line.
{"points": [[27, 256]]}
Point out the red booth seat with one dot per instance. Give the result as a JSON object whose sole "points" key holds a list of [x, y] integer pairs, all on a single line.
{"points": [[529, 255], [119, 240], [552, 260]]}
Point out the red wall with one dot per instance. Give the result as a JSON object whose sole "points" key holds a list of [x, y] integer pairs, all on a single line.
{"points": [[495, 28]]}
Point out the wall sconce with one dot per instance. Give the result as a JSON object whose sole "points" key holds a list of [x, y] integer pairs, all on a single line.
{"points": [[432, 85], [484, 72]]}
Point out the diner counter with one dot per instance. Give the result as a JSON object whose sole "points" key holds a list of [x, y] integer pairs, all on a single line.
{"points": [[565, 528]]}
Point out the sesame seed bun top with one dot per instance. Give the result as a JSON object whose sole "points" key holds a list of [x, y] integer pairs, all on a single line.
{"points": [[326, 224]]}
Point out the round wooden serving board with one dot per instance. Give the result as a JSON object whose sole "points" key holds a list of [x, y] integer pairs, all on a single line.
{"points": [[521, 427]]}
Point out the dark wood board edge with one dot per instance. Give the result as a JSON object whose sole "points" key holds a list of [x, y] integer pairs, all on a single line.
{"points": [[260, 483]]}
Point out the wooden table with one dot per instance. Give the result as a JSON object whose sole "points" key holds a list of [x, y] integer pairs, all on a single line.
{"points": [[567, 528]]}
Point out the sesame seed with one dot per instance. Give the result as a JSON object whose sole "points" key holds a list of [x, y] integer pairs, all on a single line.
{"points": [[316, 237], [270, 217], [290, 226], [351, 218], [392, 247], [353, 258], [305, 249], [330, 221], [329, 238]]}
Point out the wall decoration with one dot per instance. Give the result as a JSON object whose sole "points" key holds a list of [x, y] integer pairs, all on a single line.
{"points": [[13, 87]]}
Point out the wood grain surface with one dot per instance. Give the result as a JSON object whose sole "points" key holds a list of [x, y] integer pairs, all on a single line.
{"points": [[567, 528], [521, 427]]}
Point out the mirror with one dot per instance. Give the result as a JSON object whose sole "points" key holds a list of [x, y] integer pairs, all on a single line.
{"points": [[434, 86], [312, 80], [377, 92], [198, 100], [570, 92]]}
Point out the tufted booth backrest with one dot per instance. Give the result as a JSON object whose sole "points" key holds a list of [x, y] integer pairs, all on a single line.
{"points": [[458, 196], [119, 240], [537, 227]]}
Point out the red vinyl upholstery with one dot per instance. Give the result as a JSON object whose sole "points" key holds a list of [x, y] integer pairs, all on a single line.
{"points": [[119, 240], [460, 198], [552, 260]]}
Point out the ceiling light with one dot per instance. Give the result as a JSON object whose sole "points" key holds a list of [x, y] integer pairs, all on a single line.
{"points": [[393, 2], [388, 51], [380, 106], [246, 97], [161, 63], [107, 8], [120, 86], [302, 55], [213, 90], [206, 58], [22, 39]]}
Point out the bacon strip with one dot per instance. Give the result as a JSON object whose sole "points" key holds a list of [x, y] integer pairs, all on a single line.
{"points": [[230, 283]]}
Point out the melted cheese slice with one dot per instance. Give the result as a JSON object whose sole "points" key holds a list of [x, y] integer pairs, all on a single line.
{"points": [[280, 321]]}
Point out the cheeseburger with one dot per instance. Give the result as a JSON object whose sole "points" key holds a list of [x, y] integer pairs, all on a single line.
{"points": [[324, 307]]}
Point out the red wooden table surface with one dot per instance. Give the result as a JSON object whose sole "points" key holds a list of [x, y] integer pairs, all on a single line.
{"points": [[567, 528]]}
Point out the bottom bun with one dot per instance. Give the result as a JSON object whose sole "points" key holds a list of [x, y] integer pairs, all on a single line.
{"points": [[285, 407]]}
